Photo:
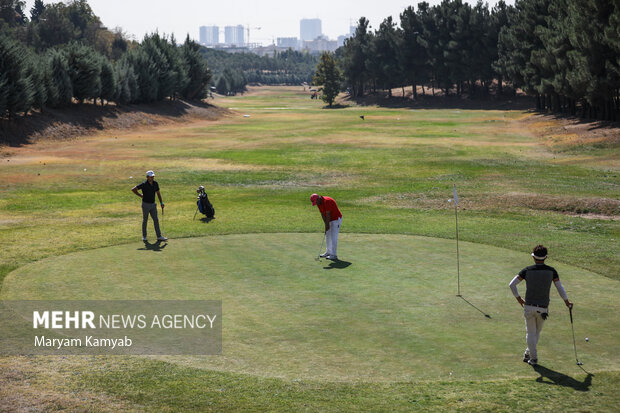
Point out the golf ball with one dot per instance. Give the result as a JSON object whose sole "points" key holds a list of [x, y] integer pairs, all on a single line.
{"points": [[587, 339]]}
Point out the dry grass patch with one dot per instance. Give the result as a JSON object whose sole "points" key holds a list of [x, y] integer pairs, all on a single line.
{"points": [[31, 384], [602, 208]]}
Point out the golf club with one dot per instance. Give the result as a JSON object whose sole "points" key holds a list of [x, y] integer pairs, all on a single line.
{"points": [[162, 220], [195, 213], [318, 257], [570, 312]]}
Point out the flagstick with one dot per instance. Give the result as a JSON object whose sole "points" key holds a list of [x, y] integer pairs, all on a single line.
{"points": [[458, 266]]}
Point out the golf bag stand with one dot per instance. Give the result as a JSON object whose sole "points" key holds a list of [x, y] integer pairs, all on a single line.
{"points": [[204, 206]]}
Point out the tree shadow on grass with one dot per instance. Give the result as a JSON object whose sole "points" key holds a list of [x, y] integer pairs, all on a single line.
{"points": [[337, 265], [157, 246], [560, 379]]}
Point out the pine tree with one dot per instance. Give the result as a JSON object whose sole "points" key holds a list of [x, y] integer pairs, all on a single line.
{"points": [[84, 71], [413, 55], [37, 70], [146, 75], [60, 92], [355, 56], [18, 92], [222, 87], [109, 83], [198, 73], [327, 76], [37, 10], [499, 19], [384, 62]]}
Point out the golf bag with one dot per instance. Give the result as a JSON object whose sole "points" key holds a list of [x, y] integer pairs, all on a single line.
{"points": [[204, 206]]}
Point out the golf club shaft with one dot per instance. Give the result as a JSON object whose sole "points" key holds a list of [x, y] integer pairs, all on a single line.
{"points": [[573, 331], [322, 241]]}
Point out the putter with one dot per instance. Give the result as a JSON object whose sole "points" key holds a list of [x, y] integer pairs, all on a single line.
{"points": [[570, 312], [162, 221], [318, 257]]}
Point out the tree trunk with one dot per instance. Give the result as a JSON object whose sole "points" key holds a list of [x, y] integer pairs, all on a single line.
{"points": [[499, 86], [555, 103]]}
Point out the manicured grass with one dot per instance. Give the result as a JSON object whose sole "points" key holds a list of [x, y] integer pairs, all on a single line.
{"points": [[392, 175], [380, 314]]}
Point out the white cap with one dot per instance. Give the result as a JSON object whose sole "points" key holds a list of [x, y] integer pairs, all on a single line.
{"points": [[150, 173]]}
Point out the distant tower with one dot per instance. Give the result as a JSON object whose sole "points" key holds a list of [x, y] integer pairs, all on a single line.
{"points": [[309, 29], [209, 35], [234, 35]]}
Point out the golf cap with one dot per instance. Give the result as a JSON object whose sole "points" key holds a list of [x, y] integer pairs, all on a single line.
{"points": [[539, 258], [150, 173], [313, 198]]}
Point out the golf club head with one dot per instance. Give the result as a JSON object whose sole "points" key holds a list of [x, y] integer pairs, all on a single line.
{"points": [[579, 363]]}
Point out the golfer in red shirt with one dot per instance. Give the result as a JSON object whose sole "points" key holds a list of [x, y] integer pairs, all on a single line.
{"points": [[333, 219]]}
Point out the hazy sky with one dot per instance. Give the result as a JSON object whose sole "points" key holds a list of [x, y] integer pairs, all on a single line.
{"points": [[276, 18]]}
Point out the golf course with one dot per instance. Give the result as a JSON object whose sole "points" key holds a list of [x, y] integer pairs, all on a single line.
{"points": [[380, 329]]}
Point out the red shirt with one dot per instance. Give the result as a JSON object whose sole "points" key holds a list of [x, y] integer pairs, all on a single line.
{"points": [[330, 205]]}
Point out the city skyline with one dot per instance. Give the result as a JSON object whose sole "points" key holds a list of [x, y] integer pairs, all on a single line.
{"points": [[276, 18]]}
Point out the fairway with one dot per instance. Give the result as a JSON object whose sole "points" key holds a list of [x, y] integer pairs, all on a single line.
{"points": [[382, 330], [387, 312]]}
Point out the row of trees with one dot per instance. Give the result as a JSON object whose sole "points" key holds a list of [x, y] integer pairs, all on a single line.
{"points": [[288, 67], [449, 46], [563, 52], [57, 24], [566, 53], [153, 70]]}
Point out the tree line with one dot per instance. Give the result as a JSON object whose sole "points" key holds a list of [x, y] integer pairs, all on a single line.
{"points": [[565, 53], [63, 54], [233, 71]]}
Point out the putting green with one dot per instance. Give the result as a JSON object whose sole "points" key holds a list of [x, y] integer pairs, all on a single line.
{"points": [[388, 312]]}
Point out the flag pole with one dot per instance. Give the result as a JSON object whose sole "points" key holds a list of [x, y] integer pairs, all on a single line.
{"points": [[458, 266]]}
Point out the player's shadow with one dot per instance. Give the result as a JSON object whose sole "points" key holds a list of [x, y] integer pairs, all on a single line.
{"points": [[560, 379], [337, 264], [156, 246], [485, 314], [206, 219]]}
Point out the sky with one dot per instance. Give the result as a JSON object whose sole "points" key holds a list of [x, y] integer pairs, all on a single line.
{"points": [[276, 18]]}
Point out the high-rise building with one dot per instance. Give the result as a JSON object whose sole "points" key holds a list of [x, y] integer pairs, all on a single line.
{"points": [[320, 44], [233, 35], [288, 42], [209, 35], [309, 29]]}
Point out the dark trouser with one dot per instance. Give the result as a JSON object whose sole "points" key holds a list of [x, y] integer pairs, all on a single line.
{"points": [[146, 210]]}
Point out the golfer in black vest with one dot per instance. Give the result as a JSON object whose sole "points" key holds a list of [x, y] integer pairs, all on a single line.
{"points": [[149, 188], [538, 280]]}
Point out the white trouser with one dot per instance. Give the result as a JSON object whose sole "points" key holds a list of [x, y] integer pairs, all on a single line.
{"points": [[533, 326], [331, 237]]}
